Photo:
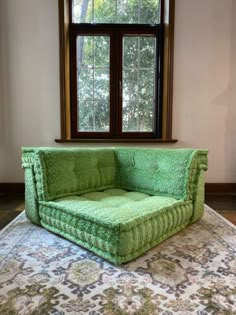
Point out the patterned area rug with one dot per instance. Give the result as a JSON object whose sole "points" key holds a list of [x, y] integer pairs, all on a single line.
{"points": [[193, 272]]}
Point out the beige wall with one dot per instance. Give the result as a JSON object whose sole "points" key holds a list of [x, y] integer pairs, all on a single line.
{"points": [[204, 81]]}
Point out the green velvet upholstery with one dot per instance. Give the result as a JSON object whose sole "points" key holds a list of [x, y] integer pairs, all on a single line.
{"points": [[116, 202], [160, 172], [70, 172]]}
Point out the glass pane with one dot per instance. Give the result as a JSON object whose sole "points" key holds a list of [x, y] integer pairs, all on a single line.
{"points": [[147, 52], [131, 51], [101, 84], [85, 51], [104, 11], [85, 84], [129, 112], [128, 11], [102, 116], [137, 116], [149, 12], [101, 49], [82, 11], [93, 116], [130, 84], [146, 84], [85, 115], [138, 81], [116, 11], [145, 116], [93, 81]]}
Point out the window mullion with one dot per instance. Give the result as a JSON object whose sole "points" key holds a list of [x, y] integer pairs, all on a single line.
{"points": [[159, 83], [119, 86], [112, 83], [93, 88]]}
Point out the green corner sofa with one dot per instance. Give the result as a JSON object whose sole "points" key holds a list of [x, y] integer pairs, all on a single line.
{"points": [[116, 202]]}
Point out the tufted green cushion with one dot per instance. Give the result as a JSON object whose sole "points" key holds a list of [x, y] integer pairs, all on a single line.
{"points": [[159, 172], [65, 172], [116, 224]]}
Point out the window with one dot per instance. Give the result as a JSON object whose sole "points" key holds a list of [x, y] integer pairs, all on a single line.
{"points": [[112, 69]]}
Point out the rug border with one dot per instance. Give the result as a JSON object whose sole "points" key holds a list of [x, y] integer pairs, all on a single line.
{"points": [[220, 216]]}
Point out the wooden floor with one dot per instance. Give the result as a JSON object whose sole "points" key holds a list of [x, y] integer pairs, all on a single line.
{"points": [[12, 205], [225, 204]]}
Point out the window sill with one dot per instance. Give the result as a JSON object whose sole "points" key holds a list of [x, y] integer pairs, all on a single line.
{"points": [[116, 140]]}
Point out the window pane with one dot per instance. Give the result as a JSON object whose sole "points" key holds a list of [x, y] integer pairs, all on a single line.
{"points": [[102, 116], [129, 120], [137, 116], [128, 11], [93, 116], [116, 11], [147, 52], [104, 11], [93, 81], [85, 51], [101, 49], [101, 84], [85, 84], [138, 81], [130, 84], [82, 11], [146, 84], [130, 51], [149, 12], [85, 115]]}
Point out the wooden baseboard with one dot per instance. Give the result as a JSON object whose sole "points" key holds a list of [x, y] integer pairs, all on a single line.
{"points": [[12, 188], [220, 188]]}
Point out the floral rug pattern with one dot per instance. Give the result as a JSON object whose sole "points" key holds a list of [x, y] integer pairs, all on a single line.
{"points": [[193, 272]]}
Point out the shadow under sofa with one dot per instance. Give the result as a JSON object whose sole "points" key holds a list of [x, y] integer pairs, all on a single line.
{"points": [[116, 202]]}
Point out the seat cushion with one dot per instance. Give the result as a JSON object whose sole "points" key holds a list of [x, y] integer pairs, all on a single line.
{"points": [[116, 224]]}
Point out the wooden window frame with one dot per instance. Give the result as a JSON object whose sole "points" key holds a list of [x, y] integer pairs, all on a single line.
{"points": [[167, 19]]}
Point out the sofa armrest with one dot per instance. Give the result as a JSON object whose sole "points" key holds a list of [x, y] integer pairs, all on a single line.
{"points": [[196, 185], [198, 198], [31, 198], [31, 202]]}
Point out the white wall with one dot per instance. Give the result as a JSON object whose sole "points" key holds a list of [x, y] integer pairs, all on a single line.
{"points": [[204, 81], [29, 80]]}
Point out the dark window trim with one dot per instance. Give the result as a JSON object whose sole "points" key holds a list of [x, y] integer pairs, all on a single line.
{"points": [[167, 16]]}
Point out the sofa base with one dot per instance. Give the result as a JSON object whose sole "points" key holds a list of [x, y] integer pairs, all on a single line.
{"points": [[115, 259], [116, 224]]}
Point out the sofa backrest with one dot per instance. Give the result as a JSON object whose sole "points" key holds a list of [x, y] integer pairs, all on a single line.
{"points": [[171, 172], [66, 172]]}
